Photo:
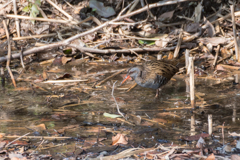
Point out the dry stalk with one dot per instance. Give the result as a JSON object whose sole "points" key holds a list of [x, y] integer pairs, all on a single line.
{"points": [[116, 101], [41, 19], [113, 75], [191, 75], [133, 86], [179, 43], [5, 4], [226, 17], [132, 51], [67, 41], [223, 132], [192, 125], [133, 6], [16, 19], [237, 52], [9, 54], [21, 57], [19, 137], [38, 137], [60, 9], [216, 56], [210, 124]]}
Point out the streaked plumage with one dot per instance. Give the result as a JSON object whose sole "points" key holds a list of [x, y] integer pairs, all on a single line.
{"points": [[153, 74]]}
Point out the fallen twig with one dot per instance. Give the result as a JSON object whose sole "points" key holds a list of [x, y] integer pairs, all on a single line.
{"points": [[9, 54], [116, 101], [117, 73], [19, 137]]}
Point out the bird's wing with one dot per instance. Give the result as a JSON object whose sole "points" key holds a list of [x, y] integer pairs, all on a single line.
{"points": [[159, 69]]}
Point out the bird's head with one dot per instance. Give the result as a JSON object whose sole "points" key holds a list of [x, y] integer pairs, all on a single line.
{"points": [[133, 73]]}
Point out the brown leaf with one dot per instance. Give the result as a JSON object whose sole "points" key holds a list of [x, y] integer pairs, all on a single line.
{"points": [[166, 16], [2, 144], [41, 126], [2, 31], [235, 157], [211, 157], [220, 68], [119, 139], [192, 27], [200, 142], [213, 40], [66, 75], [196, 137], [5, 10], [57, 61], [147, 123], [44, 74], [162, 42], [66, 59], [159, 120], [209, 28]]}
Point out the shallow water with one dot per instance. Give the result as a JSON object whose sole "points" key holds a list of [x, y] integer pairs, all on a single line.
{"points": [[163, 120]]}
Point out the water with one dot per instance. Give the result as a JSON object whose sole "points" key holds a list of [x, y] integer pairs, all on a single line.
{"points": [[76, 109]]}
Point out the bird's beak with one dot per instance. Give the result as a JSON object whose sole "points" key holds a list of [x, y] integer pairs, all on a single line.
{"points": [[126, 78]]}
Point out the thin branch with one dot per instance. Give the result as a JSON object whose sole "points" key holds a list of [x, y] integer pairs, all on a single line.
{"points": [[86, 49], [16, 19], [60, 9], [17, 139], [116, 101]]}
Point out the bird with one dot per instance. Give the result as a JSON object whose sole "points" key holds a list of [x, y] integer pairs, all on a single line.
{"points": [[153, 74]]}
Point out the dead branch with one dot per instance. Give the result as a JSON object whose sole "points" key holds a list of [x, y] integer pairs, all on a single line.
{"points": [[67, 41]]}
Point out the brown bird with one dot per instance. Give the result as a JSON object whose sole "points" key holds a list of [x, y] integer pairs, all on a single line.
{"points": [[153, 74]]}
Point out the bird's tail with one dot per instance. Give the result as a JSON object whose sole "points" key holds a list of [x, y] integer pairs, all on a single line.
{"points": [[179, 62]]}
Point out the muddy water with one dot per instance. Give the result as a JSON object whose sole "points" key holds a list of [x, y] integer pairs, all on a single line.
{"points": [[166, 119]]}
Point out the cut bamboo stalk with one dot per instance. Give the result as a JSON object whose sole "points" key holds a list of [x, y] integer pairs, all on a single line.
{"points": [[187, 86], [193, 125], [234, 113], [234, 33], [187, 52], [216, 56], [192, 95], [236, 79], [209, 124]]}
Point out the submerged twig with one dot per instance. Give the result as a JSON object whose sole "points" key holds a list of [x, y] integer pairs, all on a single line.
{"points": [[116, 101], [223, 132], [133, 86], [16, 139], [35, 137], [9, 54], [117, 73], [210, 124]]}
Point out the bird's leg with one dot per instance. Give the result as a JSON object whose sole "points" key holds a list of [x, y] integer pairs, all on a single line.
{"points": [[157, 92]]}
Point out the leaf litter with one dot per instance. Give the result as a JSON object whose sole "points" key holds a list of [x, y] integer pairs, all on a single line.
{"points": [[66, 65]]}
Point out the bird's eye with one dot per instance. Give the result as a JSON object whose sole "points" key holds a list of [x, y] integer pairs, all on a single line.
{"points": [[131, 72]]}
